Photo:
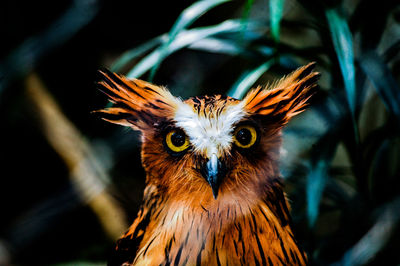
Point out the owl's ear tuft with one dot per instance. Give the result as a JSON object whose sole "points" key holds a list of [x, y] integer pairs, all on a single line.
{"points": [[284, 99], [136, 103]]}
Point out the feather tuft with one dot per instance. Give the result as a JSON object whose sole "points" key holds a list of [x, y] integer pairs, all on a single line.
{"points": [[285, 99], [137, 103]]}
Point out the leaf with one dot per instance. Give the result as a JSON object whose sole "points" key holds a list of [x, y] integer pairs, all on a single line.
{"points": [[191, 14], [245, 16], [230, 47], [247, 79], [185, 19], [186, 38], [136, 52], [322, 153], [371, 31], [318, 174], [392, 52], [343, 44], [276, 11], [379, 74], [246, 11], [316, 181], [217, 45]]}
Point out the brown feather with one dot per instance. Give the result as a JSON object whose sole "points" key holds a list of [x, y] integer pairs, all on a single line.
{"points": [[286, 98], [138, 104]]}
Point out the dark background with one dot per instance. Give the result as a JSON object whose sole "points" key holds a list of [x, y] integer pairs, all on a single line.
{"points": [[34, 177]]}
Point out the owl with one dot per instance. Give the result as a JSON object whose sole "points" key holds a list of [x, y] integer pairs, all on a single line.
{"points": [[214, 194]]}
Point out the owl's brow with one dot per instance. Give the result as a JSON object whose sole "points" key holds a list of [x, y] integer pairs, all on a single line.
{"points": [[211, 132], [164, 124]]}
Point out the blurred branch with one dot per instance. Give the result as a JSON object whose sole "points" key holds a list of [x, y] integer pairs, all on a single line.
{"points": [[24, 58], [87, 171]]}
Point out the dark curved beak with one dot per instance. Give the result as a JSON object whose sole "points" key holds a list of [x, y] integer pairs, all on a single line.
{"points": [[214, 171]]}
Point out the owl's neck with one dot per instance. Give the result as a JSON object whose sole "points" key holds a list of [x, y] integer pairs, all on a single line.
{"points": [[231, 205], [243, 190]]}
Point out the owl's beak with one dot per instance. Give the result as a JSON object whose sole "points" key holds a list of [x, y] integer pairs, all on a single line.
{"points": [[214, 171]]}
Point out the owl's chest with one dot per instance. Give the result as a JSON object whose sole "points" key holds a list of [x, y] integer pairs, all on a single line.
{"points": [[220, 238]]}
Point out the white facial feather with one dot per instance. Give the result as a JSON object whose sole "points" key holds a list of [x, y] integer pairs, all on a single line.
{"points": [[209, 134]]}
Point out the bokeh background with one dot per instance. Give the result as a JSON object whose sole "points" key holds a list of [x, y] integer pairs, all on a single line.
{"points": [[71, 183]]}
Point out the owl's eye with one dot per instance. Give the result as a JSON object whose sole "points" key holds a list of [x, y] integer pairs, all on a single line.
{"points": [[177, 141], [245, 136]]}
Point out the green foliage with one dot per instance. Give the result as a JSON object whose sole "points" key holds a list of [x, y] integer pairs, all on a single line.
{"points": [[186, 18], [343, 43], [184, 39], [276, 12], [247, 79], [341, 158], [384, 82]]}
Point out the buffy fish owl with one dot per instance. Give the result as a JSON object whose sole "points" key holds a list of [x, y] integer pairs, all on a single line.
{"points": [[213, 192]]}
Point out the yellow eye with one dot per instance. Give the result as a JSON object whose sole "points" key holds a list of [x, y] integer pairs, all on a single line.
{"points": [[245, 136], [177, 140]]}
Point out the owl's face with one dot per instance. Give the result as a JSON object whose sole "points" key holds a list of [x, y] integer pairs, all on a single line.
{"points": [[208, 146]]}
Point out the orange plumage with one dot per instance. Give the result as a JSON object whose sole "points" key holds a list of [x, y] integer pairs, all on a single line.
{"points": [[213, 194]]}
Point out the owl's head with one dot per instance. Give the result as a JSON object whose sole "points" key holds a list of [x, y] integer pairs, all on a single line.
{"points": [[208, 146]]}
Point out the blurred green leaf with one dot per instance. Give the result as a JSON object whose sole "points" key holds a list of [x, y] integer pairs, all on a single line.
{"points": [[371, 31], [245, 16], [276, 12], [185, 19], [247, 79], [392, 52], [231, 47], [247, 9], [343, 44], [218, 45], [191, 14], [136, 52], [316, 181], [321, 156], [186, 38], [379, 74], [317, 177]]}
